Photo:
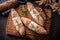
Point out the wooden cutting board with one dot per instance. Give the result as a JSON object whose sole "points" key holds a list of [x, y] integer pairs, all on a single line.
{"points": [[11, 30]]}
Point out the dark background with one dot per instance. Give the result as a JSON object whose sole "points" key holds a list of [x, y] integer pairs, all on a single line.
{"points": [[54, 33]]}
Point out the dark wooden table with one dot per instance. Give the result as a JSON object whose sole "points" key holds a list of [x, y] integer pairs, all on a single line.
{"points": [[54, 33]]}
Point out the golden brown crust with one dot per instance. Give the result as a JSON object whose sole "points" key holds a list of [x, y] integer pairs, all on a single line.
{"points": [[33, 26], [48, 12], [37, 18], [41, 12], [7, 4], [19, 26], [10, 28]]}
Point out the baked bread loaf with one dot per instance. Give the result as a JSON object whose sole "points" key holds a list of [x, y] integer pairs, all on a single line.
{"points": [[7, 4]]}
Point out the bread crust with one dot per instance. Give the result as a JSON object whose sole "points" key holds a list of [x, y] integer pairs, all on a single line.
{"points": [[7, 4]]}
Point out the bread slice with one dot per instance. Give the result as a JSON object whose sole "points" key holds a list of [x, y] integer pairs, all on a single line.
{"points": [[16, 20], [33, 26], [10, 28], [35, 14]]}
